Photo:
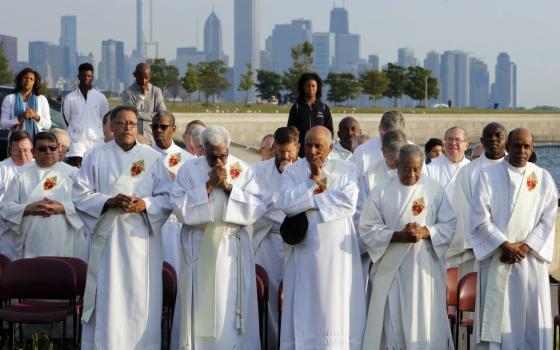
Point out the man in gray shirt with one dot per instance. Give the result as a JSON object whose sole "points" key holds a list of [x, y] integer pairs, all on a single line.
{"points": [[147, 98]]}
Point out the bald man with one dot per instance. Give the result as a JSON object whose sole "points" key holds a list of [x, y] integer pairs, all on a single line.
{"points": [[147, 98], [348, 134], [324, 297], [513, 213]]}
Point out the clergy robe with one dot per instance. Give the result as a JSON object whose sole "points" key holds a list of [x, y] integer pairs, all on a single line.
{"points": [[517, 205], [407, 305], [8, 170], [229, 318], [324, 296], [339, 152], [367, 154], [268, 246], [445, 173], [123, 301], [173, 158], [56, 235]]}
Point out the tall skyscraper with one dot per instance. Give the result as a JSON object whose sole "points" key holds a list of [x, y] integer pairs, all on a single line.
{"points": [[506, 81], [339, 21], [323, 53], [513, 85], [146, 47], [9, 46], [432, 63], [246, 40], [455, 77], [49, 60], [69, 39], [284, 38], [406, 57], [213, 38], [373, 61], [112, 65], [479, 84], [347, 54]]}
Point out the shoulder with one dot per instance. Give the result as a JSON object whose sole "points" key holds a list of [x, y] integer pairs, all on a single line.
{"points": [[42, 99], [366, 146], [11, 98], [156, 90]]}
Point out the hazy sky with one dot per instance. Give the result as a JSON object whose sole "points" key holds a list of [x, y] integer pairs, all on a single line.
{"points": [[529, 30]]}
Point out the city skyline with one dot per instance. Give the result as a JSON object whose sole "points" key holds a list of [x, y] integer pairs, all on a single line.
{"points": [[390, 26]]}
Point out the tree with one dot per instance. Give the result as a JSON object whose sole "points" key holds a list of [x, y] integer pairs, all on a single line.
{"points": [[302, 55], [190, 81], [268, 84], [397, 82], [157, 69], [45, 89], [342, 87], [211, 77], [172, 82], [418, 80], [6, 75], [374, 83], [247, 83]]}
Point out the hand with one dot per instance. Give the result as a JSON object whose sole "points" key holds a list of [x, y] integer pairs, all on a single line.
{"points": [[36, 208], [144, 89], [412, 233], [53, 207], [315, 167], [119, 201], [513, 252], [172, 175], [137, 206]]}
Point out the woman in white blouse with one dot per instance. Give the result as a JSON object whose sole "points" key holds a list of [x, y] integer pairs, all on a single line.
{"points": [[26, 109]]}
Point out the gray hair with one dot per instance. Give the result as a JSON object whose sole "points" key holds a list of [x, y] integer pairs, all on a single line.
{"points": [[392, 140], [465, 133], [215, 136], [391, 120], [411, 151], [196, 133], [267, 136]]}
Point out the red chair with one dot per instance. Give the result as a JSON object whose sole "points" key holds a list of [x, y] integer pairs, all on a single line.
{"points": [[466, 303], [262, 297], [38, 279], [169, 281], [557, 319], [452, 275], [4, 261], [280, 301]]}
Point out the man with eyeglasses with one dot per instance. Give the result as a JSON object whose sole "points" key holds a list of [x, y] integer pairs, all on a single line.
{"points": [[38, 205], [348, 133], [20, 146], [63, 142], [122, 195], [216, 197]]}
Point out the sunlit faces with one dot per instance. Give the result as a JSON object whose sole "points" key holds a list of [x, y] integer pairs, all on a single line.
{"points": [[46, 153], [21, 152], [124, 128], [163, 130], [285, 155], [520, 147], [217, 155], [318, 145], [409, 169], [455, 144]]}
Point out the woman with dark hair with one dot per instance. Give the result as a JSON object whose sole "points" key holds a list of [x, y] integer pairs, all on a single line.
{"points": [[309, 110], [26, 109]]}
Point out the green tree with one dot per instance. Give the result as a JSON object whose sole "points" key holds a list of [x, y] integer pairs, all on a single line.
{"points": [[6, 75], [397, 82], [45, 89], [269, 84], [247, 83], [419, 83], [157, 69], [212, 80], [342, 87], [190, 81], [302, 56], [374, 83], [172, 81]]}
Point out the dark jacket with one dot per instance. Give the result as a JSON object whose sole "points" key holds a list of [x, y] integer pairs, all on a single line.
{"points": [[304, 117]]}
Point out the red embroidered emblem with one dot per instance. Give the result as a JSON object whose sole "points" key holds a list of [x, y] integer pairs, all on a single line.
{"points": [[137, 168], [532, 181], [50, 183], [235, 171], [322, 186], [418, 206], [174, 159]]}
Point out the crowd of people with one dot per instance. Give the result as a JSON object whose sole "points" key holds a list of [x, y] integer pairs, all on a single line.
{"points": [[358, 232]]}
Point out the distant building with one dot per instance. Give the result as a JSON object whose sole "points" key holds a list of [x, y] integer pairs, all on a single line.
{"points": [[504, 81], [112, 72], [284, 38], [479, 84], [432, 62], [455, 77], [213, 39], [406, 57], [339, 23], [69, 39], [347, 53], [513, 85], [9, 46], [49, 60], [186, 55], [323, 53], [373, 61], [246, 41]]}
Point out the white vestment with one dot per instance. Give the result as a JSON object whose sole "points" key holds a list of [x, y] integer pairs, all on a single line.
{"points": [[173, 158], [525, 304], [339, 152], [84, 119], [445, 172], [235, 310], [56, 235], [127, 307], [324, 296], [407, 306], [268, 245], [8, 170], [367, 154]]}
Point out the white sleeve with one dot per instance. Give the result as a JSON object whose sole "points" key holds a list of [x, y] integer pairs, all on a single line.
{"points": [[7, 118], [44, 112]]}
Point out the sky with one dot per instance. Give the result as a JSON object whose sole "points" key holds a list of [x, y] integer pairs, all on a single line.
{"points": [[529, 30]]}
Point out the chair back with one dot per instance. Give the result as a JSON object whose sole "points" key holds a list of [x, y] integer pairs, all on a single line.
{"points": [[467, 293], [452, 275], [169, 280], [4, 261], [262, 286], [38, 279], [80, 268]]}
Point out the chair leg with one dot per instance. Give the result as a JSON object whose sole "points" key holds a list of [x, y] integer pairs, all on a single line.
{"points": [[20, 332], [63, 333], [457, 329], [266, 326], [74, 325]]}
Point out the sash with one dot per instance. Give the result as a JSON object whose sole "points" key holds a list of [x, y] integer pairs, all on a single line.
{"points": [[388, 268], [125, 184], [173, 161], [518, 226]]}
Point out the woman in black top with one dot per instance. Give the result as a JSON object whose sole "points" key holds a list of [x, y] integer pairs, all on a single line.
{"points": [[309, 111]]}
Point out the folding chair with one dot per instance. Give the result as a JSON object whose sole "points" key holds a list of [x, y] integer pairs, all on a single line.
{"points": [[466, 303], [452, 275], [169, 280], [262, 296]]}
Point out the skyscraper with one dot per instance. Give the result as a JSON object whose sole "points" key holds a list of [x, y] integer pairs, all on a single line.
{"points": [[112, 65], [347, 52], [69, 39], [213, 38], [9, 46], [246, 40], [323, 53], [406, 57], [373, 61], [513, 85], [479, 84], [186, 55], [506, 81], [455, 77], [432, 62], [339, 21], [284, 38], [144, 37]]}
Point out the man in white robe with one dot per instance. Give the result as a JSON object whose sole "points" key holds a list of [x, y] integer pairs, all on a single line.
{"points": [[20, 151], [38, 205], [369, 152], [268, 246], [266, 149], [348, 133], [193, 124], [216, 198], [513, 213], [324, 295], [407, 224], [460, 253], [122, 195]]}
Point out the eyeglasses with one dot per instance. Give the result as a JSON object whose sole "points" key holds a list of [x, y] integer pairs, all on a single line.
{"points": [[21, 150], [43, 149], [452, 140], [163, 127], [124, 125], [213, 158]]}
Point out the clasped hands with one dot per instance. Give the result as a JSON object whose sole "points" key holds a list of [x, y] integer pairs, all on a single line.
{"points": [[45, 208], [218, 179], [28, 114], [514, 252], [130, 204], [411, 233]]}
